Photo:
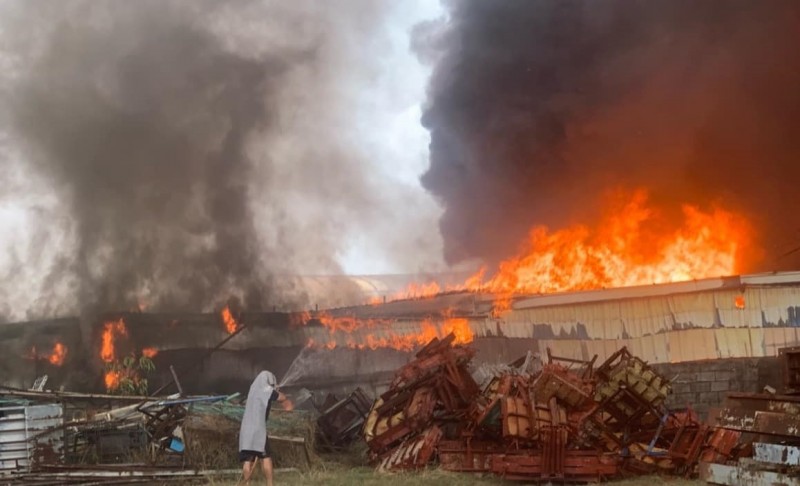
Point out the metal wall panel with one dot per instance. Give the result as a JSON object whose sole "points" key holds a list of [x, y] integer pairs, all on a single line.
{"points": [[23, 435], [764, 307], [13, 443], [706, 324], [691, 345]]}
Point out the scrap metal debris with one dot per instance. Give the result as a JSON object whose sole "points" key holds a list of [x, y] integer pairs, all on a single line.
{"points": [[556, 420], [78, 439], [435, 388], [562, 421], [757, 435], [757, 441], [340, 421]]}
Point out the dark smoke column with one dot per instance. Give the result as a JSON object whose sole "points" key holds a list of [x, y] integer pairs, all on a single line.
{"points": [[536, 108], [140, 119]]}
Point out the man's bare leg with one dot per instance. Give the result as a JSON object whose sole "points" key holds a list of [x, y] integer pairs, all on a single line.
{"points": [[266, 464], [247, 470]]}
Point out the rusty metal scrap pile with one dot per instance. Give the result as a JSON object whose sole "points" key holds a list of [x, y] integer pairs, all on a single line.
{"points": [[756, 439], [566, 420]]}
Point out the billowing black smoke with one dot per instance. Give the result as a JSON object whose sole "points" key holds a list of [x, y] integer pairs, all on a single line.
{"points": [[169, 133], [538, 107], [146, 132]]}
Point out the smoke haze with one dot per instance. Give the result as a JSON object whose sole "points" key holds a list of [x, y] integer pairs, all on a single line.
{"points": [[180, 153], [172, 154], [536, 108]]}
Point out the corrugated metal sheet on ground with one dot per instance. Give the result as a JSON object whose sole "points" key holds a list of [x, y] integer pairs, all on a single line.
{"points": [[21, 433]]}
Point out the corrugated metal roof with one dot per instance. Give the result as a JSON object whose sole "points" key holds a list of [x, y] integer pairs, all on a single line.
{"points": [[639, 291], [626, 292], [770, 278]]}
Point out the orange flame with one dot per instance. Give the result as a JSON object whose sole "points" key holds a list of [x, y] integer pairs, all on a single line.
{"points": [[623, 252], [287, 405], [299, 318], [415, 290], [111, 330], [58, 355], [349, 324], [149, 352], [629, 246], [458, 327], [357, 333], [318, 345], [112, 379], [230, 322]]}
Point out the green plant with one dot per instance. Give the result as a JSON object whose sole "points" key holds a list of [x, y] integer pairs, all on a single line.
{"points": [[128, 377]]}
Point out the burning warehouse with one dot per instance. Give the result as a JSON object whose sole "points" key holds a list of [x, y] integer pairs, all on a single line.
{"points": [[705, 340], [716, 335], [586, 194]]}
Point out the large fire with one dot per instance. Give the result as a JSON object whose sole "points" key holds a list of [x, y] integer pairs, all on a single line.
{"points": [[630, 245], [111, 331], [357, 333], [112, 380]]}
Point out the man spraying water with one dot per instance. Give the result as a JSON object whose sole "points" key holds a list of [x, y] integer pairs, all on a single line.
{"points": [[253, 440]]}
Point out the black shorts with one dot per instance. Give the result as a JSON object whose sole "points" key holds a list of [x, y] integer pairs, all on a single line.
{"points": [[250, 456]]}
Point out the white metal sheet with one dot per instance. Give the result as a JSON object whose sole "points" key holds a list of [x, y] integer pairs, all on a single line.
{"points": [[22, 431], [776, 453]]}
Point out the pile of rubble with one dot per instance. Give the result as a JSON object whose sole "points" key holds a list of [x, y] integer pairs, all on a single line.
{"points": [[756, 441], [565, 420], [50, 437], [561, 420]]}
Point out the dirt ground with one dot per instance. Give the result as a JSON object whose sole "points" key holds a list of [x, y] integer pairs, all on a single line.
{"points": [[342, 476]]}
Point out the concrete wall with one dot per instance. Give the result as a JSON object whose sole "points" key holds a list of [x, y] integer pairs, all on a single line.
{"points": [[700, 384], [704, 384]]}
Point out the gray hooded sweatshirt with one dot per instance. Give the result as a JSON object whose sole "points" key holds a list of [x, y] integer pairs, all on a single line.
{"points": [[253, 433]]}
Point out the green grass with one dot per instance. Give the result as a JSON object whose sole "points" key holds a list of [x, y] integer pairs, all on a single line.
{"points": [[335, 475], [659, 481], [350, 467], [368, 477]]}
